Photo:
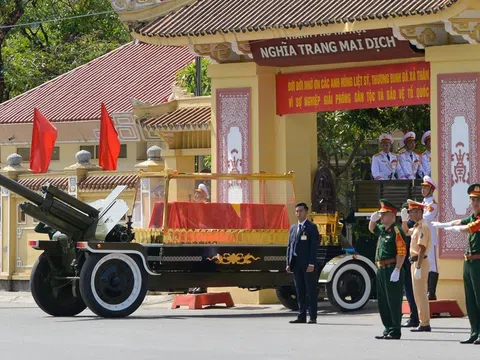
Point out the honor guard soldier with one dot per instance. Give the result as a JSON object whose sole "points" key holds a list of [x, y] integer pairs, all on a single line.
{"points": [[471, 267], [389, 257], [419, 247], [408, 160], [384, 164], [425, 159], [430, 214]]}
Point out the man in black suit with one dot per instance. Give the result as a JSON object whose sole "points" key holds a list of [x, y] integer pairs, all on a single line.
{"points": [[302, 261]]}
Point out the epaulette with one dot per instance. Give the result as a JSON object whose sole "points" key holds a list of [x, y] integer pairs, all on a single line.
{"points": [[401, 151]]}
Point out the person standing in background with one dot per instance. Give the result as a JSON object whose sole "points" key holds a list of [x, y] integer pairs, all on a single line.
{"points": [[426, 158], [384, 164]]}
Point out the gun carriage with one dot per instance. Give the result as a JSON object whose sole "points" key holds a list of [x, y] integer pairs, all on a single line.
{"points": [[93, 261]]}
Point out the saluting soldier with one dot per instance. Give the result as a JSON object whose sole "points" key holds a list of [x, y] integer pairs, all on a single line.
{"points": [[426, 158], [408, 160], [419, 247], [384, 164], [471, 267], [430, 214], [389, 257]]}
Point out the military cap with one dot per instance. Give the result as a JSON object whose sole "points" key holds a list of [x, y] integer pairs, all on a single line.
{"points": [[387, 206], [415, 205], [386, 138], [474, 190], [426, 137], [427, 180], [409, 136]]}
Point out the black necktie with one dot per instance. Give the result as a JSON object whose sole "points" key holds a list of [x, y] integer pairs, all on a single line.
{"points": [[411, 156], [388, 157]]}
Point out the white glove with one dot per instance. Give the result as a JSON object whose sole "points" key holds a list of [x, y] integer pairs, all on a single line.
{"points": [[418, 274], [453, 228], [404, 214], [440, 225], [395, 275], [375, 216]]}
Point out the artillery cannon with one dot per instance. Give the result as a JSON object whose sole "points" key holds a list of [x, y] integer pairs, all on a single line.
{"points": [[238, 238]]}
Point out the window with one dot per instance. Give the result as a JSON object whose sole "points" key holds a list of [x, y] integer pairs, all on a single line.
{"points": [[95, 149], [56, 153], [24, 153], [21, 217]]}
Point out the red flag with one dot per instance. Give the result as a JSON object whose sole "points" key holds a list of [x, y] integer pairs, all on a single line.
{"points": [[44, 136], [109, 143]]}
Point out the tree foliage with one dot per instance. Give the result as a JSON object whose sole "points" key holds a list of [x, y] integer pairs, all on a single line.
{"points": [[34, 54], [186, 78]]}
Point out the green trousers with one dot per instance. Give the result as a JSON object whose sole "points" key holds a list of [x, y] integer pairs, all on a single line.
{"points": [[471, 283], [390, 297]]}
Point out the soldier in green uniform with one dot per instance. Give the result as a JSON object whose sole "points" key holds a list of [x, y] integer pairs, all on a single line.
{"points": [[471, 267], [390, 254]]}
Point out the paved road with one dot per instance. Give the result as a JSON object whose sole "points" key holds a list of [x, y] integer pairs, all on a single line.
{"points": [[244, 332]]}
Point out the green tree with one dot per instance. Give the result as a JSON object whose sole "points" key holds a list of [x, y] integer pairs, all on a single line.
{"points": [[36, 53], [186, 78]]}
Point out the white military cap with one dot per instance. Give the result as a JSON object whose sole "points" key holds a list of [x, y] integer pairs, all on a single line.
{"points": [[202, 188], [409, 136], [427, 180], [386, 138], [425, 137]]}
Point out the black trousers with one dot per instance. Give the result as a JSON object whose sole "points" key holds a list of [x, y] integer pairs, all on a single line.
{"points": [[306, 288], [409, 291]]}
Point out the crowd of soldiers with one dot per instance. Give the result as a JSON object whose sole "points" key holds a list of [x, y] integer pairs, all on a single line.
{"points": [[405, 165], [401, 261]]}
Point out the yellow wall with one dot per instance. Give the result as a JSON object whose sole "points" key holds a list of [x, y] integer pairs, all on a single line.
{"points": [[135, 151], [446, 60]]}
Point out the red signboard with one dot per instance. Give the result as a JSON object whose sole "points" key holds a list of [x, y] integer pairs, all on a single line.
{"points": [[354, 46], [353, 88]]}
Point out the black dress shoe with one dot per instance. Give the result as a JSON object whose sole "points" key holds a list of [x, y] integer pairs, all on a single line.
{"points": [[380, 337], [411, 323], [426, 328], [312, 321], [477, 342], [392, 337], [298, 321], [470, 340]]}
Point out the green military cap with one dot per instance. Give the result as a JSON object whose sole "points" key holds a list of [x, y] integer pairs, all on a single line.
{"points": [[387, 206], [474, 190]]}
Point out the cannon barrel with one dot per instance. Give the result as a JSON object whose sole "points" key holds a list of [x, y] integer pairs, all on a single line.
{"points": [[57, 209], [21, 190]]}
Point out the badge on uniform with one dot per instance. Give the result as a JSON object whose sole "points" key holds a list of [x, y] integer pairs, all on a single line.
{"points": [[303, 237]]}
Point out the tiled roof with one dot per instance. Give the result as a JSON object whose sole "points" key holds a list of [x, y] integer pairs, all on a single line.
{"points": [[35, 183], [107, 182], [206, 17], [190, 118], [137, 70]]}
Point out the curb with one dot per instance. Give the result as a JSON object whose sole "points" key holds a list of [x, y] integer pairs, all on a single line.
{"points": [[20, 297]]}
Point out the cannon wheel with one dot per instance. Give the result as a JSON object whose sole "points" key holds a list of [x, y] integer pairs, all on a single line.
{"points": [[287, 297], [55, 297], [350, 287], [113, 285]]}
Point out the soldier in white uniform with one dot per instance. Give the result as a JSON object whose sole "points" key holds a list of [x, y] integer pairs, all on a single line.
{"points": [[408, 160], [384, 163], [430, 214], [425, 159]]}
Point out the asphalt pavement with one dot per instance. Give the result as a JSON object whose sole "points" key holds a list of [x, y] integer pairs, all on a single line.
{"points": [[243, 332]]}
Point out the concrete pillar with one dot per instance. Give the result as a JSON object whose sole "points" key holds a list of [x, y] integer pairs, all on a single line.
{"points": [[9, 213], [455, 119]]}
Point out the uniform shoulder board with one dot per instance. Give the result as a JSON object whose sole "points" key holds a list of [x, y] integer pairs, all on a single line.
{"points": [[377, 154], [401, 151]]}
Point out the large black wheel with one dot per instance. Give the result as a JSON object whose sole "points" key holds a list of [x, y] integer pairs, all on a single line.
{"points": [[113, 285], [350, 288], [55, 297], [287, 297]]}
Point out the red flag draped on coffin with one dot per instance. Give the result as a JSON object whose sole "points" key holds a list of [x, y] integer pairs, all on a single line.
{"points": [[44, 136], [109, 142]]}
